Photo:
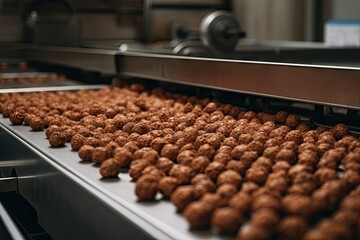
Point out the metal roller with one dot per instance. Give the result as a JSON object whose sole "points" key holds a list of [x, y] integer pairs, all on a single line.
{"points": [[220, 31]]}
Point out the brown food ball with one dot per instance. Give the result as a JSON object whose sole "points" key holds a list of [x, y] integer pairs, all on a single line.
{"points": [[351, 203], [158, 143], [167, 185], [295, 136], [164, 164], [137, 167], [229, 176], [237, 166], [146, 187], [303, 127], [28, 118], [213, 200], [245, 138], [281, 166], [271, 152], [99, 154], [273, 142], [170, 151], [182, 197], [277, 185], [182, 173], [249, 187], [17, 118], [256, 146], [289, 145], [253, 233], [198, 214], [265, 218], [206, 150], [266, 201], [122, 157], [238, 151], [37, 124], [109, 168], [352, 178], [77, 141], [281, 116], [333, 230], [248, 158], [323, 200], [323, 175], [85, 152], [347, 217], [297, 204], [340, 131], [298, 168], [91, 141], [227, 220], [226, 190], [286, 155], [257, 175], [57, 139], [241, 202], [222, 157], [186, 157], [292, 121], [199, 164], [214, 169], [152, 156], [308, 158], [203, 187], [292, 227], [303, 188], [152, 170], [200, 177]]}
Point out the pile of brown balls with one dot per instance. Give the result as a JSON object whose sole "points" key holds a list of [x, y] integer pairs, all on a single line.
{"points": [[253, 175]]}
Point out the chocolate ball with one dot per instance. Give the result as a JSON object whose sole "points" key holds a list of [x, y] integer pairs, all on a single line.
{"points": [[257, 175], [146, 187], [227, 219], [109, 168], [85, 152], [265, 218], [292, 227], [229, 176], [198, 214], [182, 173], [182, 197], [167, 185], [297, 204], [241, 202], [57, 139]]}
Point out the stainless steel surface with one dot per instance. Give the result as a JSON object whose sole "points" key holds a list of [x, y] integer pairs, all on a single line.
{"points": [[328, 85], [54, 88], [97, 60], [74, 202], [8, 184], [11, 227]]}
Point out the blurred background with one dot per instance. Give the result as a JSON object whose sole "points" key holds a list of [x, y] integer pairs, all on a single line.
{"points": [[300, 20]]}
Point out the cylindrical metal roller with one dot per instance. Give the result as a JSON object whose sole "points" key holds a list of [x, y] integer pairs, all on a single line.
{"points": [[220, 31]]}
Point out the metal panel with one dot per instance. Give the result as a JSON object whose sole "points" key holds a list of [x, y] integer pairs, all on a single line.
{"points": [[82, 58], [334, 86]]}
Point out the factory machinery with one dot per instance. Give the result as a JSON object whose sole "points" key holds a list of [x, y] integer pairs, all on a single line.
{"points": [[70, 200]]}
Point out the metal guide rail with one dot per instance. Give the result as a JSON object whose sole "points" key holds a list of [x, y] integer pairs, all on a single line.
{"points": [[325, 85], [73, 201]]}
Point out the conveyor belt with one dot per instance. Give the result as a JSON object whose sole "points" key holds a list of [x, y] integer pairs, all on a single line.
{"points": [[73, 201]]}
